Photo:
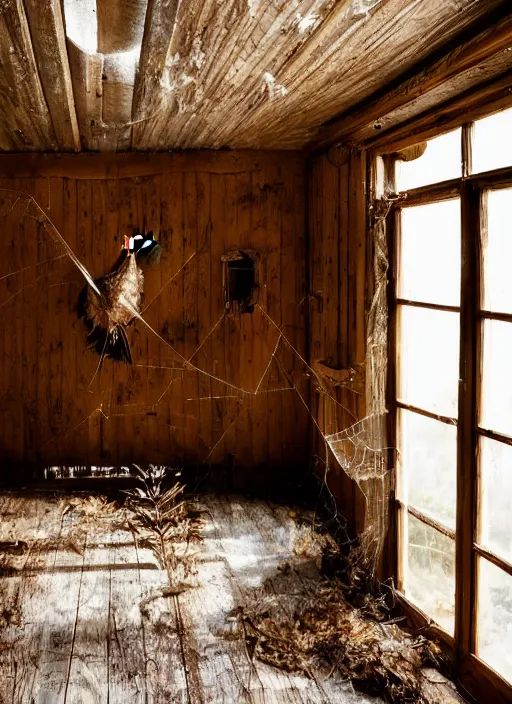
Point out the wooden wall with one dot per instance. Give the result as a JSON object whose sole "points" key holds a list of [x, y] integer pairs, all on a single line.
{"points": [[338, 285], [55, 408]]}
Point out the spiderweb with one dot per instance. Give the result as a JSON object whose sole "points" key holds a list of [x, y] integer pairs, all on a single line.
{"points": [[357, 445]]}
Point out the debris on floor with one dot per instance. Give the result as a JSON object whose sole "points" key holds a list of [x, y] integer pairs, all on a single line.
{"points": [[238, 608], [326, 633]]}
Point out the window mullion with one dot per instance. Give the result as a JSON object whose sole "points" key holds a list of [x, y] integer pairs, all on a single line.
{"points": [[466, 442], [467, 149]]}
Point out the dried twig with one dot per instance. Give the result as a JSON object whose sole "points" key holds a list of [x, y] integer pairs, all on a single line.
{"points": [[165, 523]]}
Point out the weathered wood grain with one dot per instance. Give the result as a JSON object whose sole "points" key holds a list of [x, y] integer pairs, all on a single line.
{"points": [[235, 74], [117, 166], [26, 586], [54, 604], [275, 76], [374, 46], [48, 37], [199, 206], [477, 61], [88, 677], [164, 668], [337, 333], [86, 76], [127, 639], [24, 113], [491, 97], [118, 77]]}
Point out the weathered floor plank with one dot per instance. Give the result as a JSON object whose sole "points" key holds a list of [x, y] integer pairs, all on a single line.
{"points": [[88, 617], [126, 652], [89, 668], [26, 589], [53, 612], [268, 545], [164, 670]]}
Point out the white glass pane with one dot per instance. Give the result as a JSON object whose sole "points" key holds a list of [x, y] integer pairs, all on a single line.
{"points": [[428, 463], [430, 575], [497, 252], [495, 618], [492, 145], [429, 264], [441, 161], [428, 350], [496, 497], [496, 395]]}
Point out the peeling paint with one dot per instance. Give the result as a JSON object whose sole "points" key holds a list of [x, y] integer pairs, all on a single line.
{"points": [[252, 6], [306, 22], [275, 90], [197, 56], [167, 79], [362, 8]]}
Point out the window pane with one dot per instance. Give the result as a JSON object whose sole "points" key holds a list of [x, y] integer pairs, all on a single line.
{"points": [[441, 161], [495, 618], [430, 576], [492, 146], [428, 461], [496, 497], [496, 402], [498, 252], [428, 350], [424, 274]]}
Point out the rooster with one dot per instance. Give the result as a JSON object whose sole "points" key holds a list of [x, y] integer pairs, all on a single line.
{"points": [[108, 314]]}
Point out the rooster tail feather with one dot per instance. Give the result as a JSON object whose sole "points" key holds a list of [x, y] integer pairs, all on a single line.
{"points": [[122, 345], [112, 344]]}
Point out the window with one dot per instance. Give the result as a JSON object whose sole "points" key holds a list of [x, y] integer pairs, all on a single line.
{"points": [[452, 377]]}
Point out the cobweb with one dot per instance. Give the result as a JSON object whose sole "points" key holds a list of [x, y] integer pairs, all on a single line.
{"points": [[359, 449]]}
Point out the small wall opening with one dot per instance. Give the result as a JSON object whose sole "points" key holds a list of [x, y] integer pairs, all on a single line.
{"points": [[239, 281]]}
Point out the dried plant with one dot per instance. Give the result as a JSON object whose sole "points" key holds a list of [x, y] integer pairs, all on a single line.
{"points": [[327, 633], [336, 625], [164, 521]]}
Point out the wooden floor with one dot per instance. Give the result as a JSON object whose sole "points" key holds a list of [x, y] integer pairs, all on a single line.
{"points": [[84, 620]]}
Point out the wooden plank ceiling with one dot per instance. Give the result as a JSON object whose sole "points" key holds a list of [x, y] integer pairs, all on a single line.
{"points": [[115, 75]]}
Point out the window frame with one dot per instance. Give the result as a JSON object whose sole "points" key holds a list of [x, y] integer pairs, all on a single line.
{"points": [[473, 674]]}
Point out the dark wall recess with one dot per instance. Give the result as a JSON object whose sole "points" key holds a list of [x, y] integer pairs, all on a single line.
{"points": [[240, 281]]}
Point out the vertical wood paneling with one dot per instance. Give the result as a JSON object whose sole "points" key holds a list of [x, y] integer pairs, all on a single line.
{"points": [[59, 409], [337, 335], [74, 340], [249, 356], [204, 320], [217, 349], [13, 348], [171, 299]]}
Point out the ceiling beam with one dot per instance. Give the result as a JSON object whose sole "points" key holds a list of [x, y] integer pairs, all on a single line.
{"points": [[25, 121], [86, 74], [471, 105], [49, 43], [93, 165], [478, 60], [158, 31]]}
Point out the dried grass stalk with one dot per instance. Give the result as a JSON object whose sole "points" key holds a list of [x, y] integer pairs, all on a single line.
{"points": [[163, 521]]}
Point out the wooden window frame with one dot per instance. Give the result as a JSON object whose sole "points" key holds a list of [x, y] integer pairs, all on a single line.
{"points": [[473, 675]]}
